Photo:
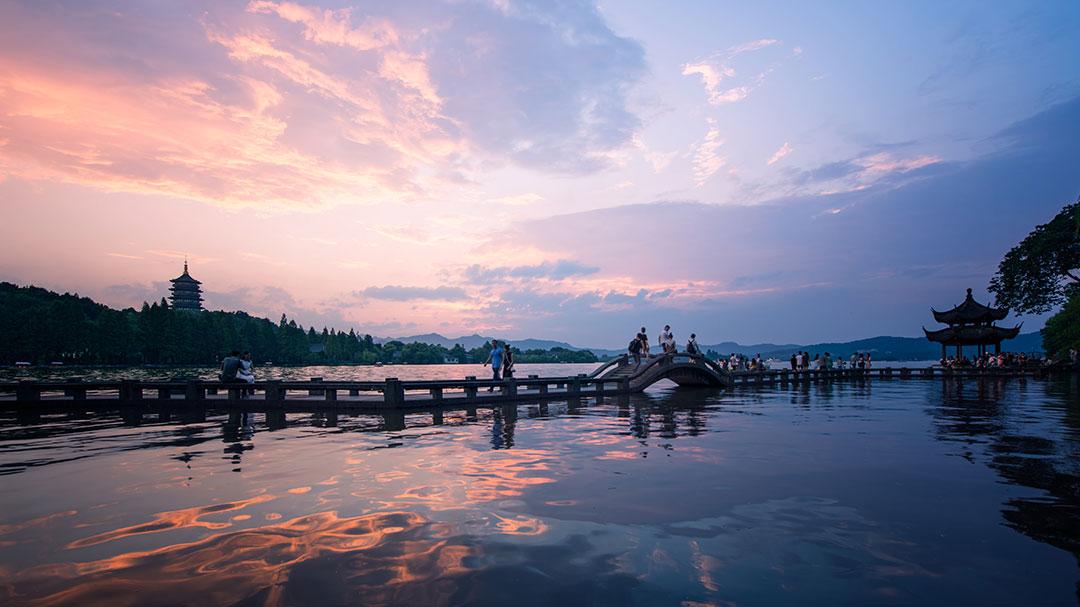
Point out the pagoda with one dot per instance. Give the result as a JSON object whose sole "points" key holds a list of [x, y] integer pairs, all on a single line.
{"points": [[971, 324], [185, 292]]}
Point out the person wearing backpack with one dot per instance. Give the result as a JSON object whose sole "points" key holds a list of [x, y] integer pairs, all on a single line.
{"points": [[691, 345], [635, 349]]}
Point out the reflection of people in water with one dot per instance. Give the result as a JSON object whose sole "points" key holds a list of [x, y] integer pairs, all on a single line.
{"points": [[237, 433], [502, 427]]}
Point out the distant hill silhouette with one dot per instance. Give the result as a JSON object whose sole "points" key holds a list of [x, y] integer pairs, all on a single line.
{"points": [[881, 348], [475, 341]]}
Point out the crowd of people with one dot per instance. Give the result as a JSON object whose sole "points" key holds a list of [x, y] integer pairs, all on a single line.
{"points": [[986, 361]]}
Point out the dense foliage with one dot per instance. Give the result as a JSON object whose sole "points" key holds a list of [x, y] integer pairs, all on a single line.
{"points": [[1062, 330], [1042, 271], [39, 326]]}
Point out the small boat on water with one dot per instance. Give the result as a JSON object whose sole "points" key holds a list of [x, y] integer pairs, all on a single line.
{"points": [[22, 363]]}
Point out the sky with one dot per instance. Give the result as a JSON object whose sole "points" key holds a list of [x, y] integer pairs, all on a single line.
{"points": [[774, 172]]}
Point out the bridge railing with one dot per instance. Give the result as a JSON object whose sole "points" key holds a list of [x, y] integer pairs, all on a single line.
{"points": [[392, 391], [616, 362]]}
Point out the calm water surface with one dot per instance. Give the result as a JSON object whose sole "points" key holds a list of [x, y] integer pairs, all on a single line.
{"points": [[878, 493], [302, 373]]}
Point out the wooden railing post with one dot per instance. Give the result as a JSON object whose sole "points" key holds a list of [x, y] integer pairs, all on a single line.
{"points": [[27, 391], [393, 392], [331, 394], [73, 391], [574, 386], [272, 390], [131, 390], [510, 389], [313, 391], [193, 391], [470, 391]]}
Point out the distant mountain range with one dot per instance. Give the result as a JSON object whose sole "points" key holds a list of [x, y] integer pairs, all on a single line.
{"points": [[474, 341], [881, 348]]}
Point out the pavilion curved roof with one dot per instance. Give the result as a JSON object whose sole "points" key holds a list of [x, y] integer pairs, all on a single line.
{"points": [[970, 312], [972, 335]]}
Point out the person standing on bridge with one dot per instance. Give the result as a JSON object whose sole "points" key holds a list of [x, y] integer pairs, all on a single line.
{"points": [[495, 358], [691, 345], [667, 340], [644, 343], [508, 363], [635, 349]]}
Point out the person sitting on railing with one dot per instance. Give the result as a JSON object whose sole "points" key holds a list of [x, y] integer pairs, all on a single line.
{"points": [[245, 372], [230, 366]]}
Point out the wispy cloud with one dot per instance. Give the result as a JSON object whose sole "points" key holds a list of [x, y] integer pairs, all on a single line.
{"points": [[401, 293], [779, 154], [557, 270], [707, 158], [517, 200], [715, 70]]}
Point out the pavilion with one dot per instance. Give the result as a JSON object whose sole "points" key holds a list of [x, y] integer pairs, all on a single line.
{"points": [[971, 324]]}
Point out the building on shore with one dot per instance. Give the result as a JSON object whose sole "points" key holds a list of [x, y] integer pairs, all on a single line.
{"points": [[185, 292], [971, 324]]}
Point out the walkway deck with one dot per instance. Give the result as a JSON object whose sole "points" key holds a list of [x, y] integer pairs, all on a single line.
{"points": [[617, 377]]}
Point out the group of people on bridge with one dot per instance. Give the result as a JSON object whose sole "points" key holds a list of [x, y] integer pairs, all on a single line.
{"points": [[639, 346]]}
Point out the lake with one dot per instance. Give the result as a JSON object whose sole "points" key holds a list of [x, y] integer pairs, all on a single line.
{"points": [[882, 492]]}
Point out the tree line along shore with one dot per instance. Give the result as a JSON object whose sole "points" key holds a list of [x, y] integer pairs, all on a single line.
{"points": [[42, 327]]}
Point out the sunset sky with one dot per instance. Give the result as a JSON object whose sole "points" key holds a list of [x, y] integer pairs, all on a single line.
{"points": [[786, 172]]}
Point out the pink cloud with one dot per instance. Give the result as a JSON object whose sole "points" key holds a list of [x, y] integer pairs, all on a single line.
{"points": [[325, 26], [716, 69], [707, 158], [779, 154]]}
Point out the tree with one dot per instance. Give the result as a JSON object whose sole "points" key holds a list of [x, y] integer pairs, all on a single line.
{"points": [[1062, 330], [1044, 269]]}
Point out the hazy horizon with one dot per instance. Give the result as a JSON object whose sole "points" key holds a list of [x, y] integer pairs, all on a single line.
{"points": [[770, 173]]}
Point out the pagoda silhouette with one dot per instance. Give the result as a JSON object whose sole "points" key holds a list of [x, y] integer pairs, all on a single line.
{"points": [[971, 324], [185, 292]]}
